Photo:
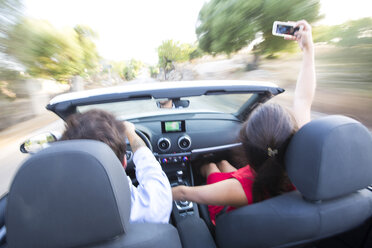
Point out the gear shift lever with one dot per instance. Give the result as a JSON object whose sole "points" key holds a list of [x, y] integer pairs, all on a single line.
{"points": [[179, 177], [182, 205]]}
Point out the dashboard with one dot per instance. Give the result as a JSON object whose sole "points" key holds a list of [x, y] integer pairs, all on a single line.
{"points": [[180, 140], [187, 132]]}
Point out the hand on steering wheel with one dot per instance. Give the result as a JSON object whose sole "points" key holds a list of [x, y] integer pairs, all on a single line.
{"points": [[134, 135], [144, 138], [130, 131]]}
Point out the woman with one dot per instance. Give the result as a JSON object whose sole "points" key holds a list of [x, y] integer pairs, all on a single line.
{"points": [[265, 136]]}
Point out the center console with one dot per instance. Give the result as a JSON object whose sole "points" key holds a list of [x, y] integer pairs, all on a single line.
{"points": [[174, 156], [175, 160], [178, 169], [192, 229]]}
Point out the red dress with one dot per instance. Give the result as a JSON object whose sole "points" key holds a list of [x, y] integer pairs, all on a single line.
{"points": [[245, 176]]}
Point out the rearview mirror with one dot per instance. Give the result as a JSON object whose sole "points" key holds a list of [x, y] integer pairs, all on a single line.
{"points": [[37, 143], [172, 103]]}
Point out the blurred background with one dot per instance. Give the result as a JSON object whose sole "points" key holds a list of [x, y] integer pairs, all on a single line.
{"points": [[52, 47]]}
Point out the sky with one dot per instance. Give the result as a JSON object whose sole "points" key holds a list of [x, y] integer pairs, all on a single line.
{"points": [[135, 28]]}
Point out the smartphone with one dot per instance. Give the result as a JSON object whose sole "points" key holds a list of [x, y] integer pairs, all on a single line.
{"points": [[284, 28]]}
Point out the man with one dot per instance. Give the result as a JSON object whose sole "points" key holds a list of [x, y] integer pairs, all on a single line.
{"points": [[173, 103], [151, 200]]}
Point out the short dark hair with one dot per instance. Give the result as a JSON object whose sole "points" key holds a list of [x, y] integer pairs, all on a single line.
{"points": [[98, 125]]}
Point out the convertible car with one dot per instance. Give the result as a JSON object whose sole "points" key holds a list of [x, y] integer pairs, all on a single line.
{"points": [[75, 193]]}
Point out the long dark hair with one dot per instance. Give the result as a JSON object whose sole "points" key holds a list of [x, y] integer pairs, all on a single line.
{"points": [[98, 125], [265, 136]]}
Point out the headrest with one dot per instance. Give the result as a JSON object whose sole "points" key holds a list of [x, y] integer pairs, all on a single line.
{"points": [[330, 157], [70, 194]]}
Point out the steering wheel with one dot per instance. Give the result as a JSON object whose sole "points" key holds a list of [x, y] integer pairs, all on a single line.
{"points": [[144, 138]]}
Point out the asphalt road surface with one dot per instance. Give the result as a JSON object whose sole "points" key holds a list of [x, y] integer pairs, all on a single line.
{"points": [[10, 155]]}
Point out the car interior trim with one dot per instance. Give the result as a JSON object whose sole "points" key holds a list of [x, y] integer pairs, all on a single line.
{"points": [[215, 148]]}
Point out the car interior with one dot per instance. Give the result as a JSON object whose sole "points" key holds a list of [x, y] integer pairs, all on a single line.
{"points": [[329, 161]]}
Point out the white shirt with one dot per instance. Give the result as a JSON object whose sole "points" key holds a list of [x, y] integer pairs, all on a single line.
{"points": [[152, 199]]}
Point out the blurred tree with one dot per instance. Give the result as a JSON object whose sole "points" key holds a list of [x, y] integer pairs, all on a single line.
{"points": [[10, 14], [136, 65], [90, 57], [227, 26], [127, 70], [44, 51], [50, 53], [170, 51], [197, 53], [118, 67], [350, 33], [154, 71], [131, 69]]}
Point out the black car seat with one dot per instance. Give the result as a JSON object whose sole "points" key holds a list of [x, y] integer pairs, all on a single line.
{"points": [[73, 194], [329, 160]]}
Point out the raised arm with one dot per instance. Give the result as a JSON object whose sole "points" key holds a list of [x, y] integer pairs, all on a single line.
{"points": [[306, 82], [135, 141], [152, 198]]}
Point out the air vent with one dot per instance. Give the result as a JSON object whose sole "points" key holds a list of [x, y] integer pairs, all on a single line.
{"points": [[184, 142], [164, 144]]}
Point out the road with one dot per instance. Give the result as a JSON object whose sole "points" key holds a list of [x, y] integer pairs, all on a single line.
{"points": [[10, 140]]}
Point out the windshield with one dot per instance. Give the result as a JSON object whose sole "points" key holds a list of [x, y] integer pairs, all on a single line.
{"points": [[139, 108]]}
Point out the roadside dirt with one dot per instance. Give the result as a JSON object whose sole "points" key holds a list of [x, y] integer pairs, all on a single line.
{"points": [[24, 129]]}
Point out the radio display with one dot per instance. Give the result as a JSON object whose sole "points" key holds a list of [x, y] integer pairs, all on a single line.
{"points": [[173, 126]]}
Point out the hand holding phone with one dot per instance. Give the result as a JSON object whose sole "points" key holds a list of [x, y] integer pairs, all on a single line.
{"points": [[284, 28], [299, 31]]}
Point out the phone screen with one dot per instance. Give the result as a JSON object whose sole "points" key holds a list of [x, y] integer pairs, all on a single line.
{"points": [[286, 29]]}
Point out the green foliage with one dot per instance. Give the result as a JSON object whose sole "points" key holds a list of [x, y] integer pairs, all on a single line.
{"points": [[350, 33], [129, 73], [197, 53], [127, 70], [136, 65], [50, 53], [227, 26], [10, 13], [131, 69], [118, 68], [154, 71], [170, 51], [323, 33], [90, 56]]}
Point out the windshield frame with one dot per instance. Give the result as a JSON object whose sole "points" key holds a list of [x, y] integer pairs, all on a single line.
{"points": [[66, 104]]}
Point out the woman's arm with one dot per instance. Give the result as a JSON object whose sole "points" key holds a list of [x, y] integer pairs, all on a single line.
{"points": [[226, 192], [306, 82]]}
